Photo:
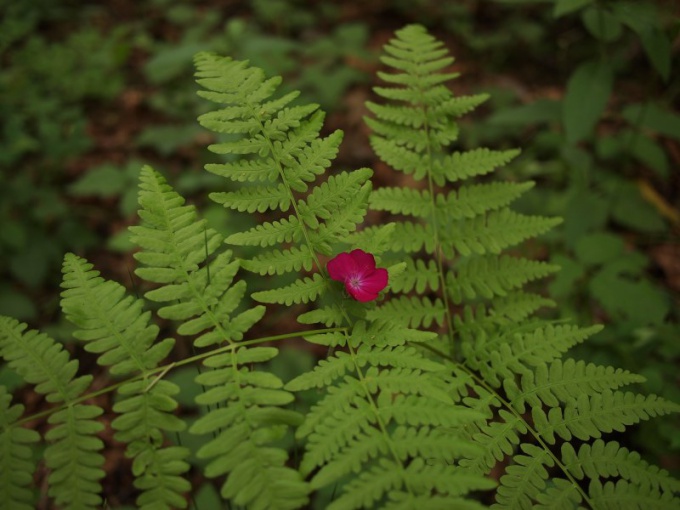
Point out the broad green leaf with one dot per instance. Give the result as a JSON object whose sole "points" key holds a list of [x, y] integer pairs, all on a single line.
{"points": [[599, 248], [563, 7], [540, 111], [633, 211], [658, 50], [601, 23], [655, 117], [650, 153], [586, 97]]}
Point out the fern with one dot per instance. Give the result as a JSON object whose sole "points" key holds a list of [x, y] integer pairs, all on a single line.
{"points": [[444, 380], [16, 466], [283, 149], [451, 235], [115, 327], [73, 456], [244, 405]]}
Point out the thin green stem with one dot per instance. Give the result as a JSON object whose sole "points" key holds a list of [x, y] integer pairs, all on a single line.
{"points": [[171, 366]]}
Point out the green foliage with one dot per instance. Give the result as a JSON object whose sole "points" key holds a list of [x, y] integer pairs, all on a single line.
{"points": [[73, 455], [281, 147], [43, 89], [115, 327], [491, 346], [447, 377]]}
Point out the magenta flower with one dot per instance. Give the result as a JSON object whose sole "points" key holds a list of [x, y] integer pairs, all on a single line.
{"points": [[357, 271]]}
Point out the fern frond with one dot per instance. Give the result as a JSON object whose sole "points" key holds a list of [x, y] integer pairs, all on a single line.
{"points": [[588, 417], [494, 232], [497, 439], [16, 465], [489, 276], [525, 479], [258, 199], [512, 352], [301, 291], [609, 460], [176, 246], [244, 170], [417, 275], [385, 404], [286, 139], [412, 237], [328, 315], [561, 381], [473, 200], [407, 201], [332, 195], [625, 495], [285, 230], [411, 312], [115, 327], [280, 262], [248, 417], [311, 160], [473, 163], [73, 457]]}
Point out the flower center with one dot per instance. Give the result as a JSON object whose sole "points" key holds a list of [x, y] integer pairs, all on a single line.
{"points": [[354, 281]]}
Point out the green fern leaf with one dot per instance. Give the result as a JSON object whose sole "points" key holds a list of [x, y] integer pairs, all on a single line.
{"points": [[561, 495], [246, 417], [601, 459], [558, 382], [280, 262], [269, 234], [498, 439], [624, 495], [114, 326], [525, 479], [476, 162], [471, 201], [494, 232], [491, 276], [73, 457], [301, 291], [312, 159], [513, 351], [587, 417], [328, 315], [258, 199], [16, 465], [245, 170], [418, 275], [417, 203], [411, 312], [332, 195]]}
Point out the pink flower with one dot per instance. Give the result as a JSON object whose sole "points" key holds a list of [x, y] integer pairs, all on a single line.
{"points": [[357, 271]]}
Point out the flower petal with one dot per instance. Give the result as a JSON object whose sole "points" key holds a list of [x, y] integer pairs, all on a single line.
{"points": [[341, 266], [365, 262], [376, 281], [361, 294]]}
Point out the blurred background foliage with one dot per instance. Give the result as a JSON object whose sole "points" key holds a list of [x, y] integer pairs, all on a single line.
{"points": [[91, 90]]}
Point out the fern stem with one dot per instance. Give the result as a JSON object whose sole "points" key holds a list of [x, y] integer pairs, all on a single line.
{"points": [[175, 364], [293, 200], [437, 245], [374, 407], [435, 227]]}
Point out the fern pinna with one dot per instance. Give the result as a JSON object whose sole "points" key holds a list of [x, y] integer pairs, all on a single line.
{"points": [[451, 235]]}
